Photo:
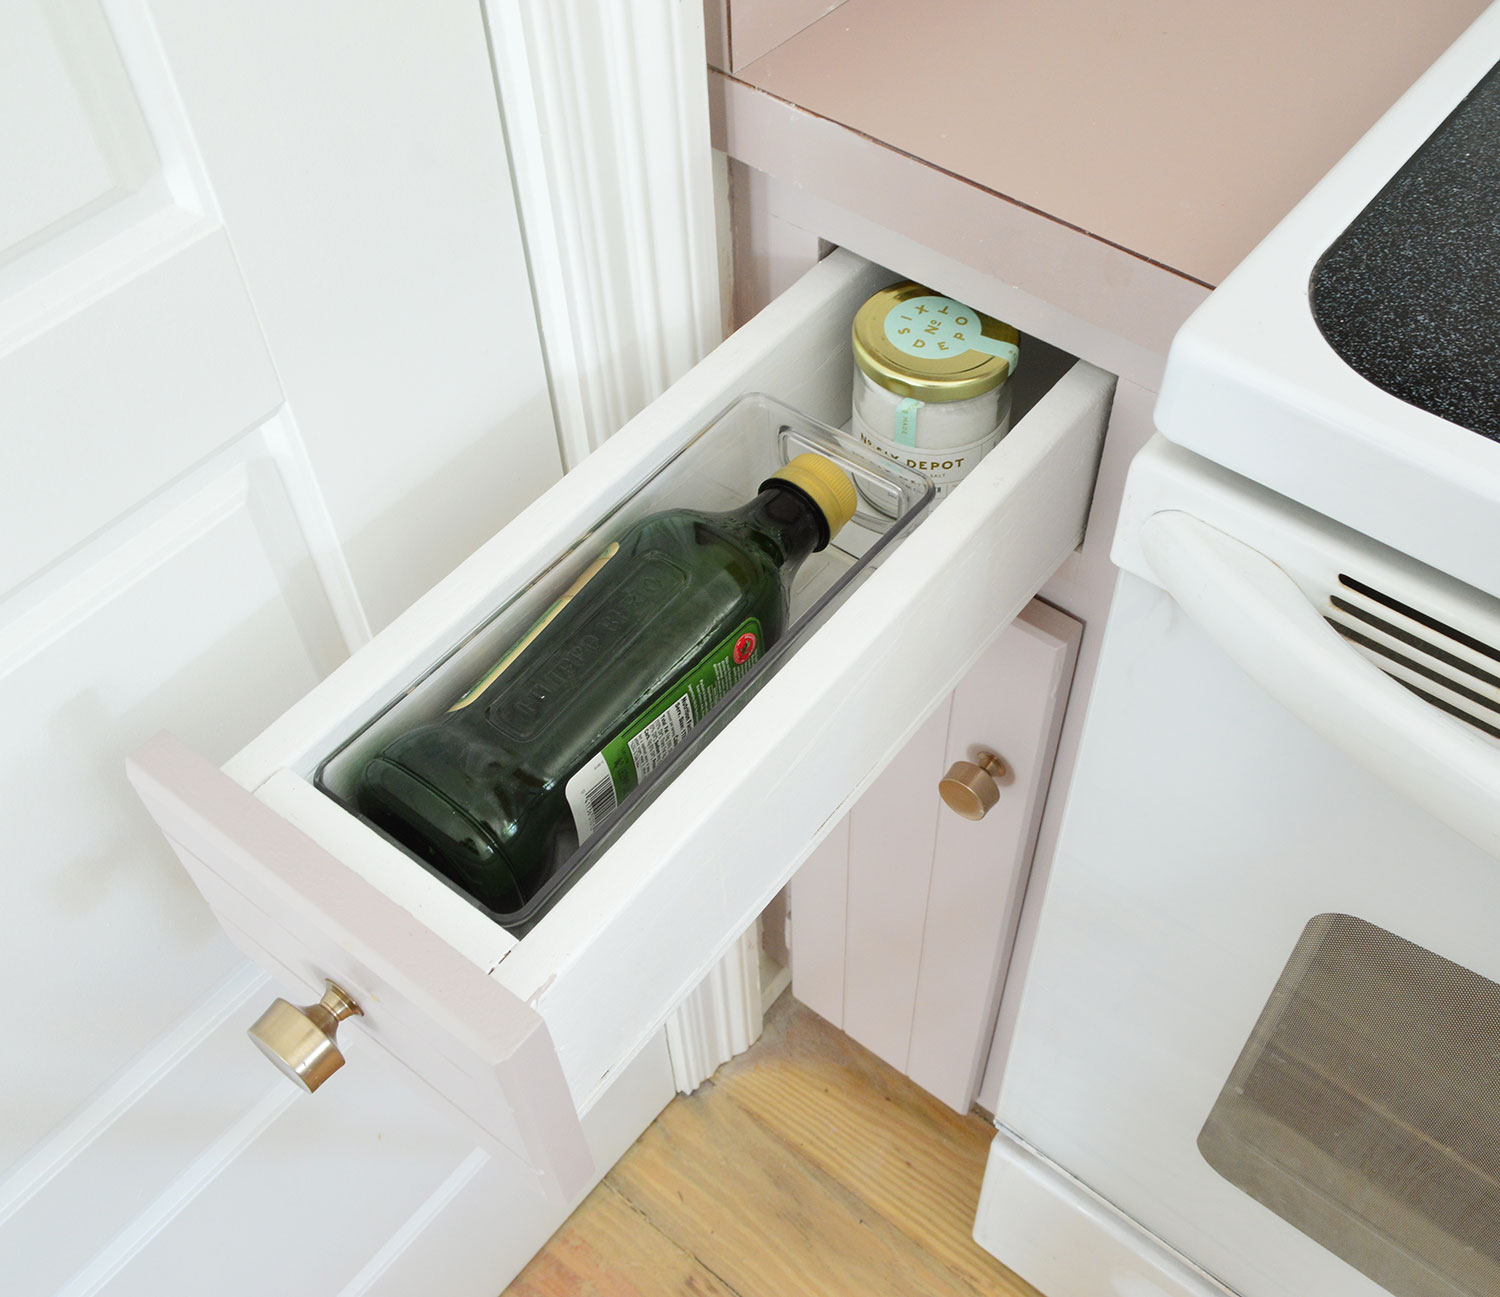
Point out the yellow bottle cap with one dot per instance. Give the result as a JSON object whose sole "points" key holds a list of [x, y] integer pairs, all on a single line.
{"points": [[826, 484]]}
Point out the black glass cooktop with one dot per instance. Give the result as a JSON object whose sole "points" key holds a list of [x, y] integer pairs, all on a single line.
{"points": [[1409, 295]]}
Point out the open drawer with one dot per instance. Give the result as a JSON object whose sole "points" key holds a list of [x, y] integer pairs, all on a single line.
{"points": [[521, 1035]]}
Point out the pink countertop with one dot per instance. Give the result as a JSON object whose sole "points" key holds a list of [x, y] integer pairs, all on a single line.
{"points": [[1179, 130]]}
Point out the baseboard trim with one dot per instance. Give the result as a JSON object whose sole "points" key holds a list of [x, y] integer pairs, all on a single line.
{"points": [[1066, 1240], [774, 979], [720, 1018]]}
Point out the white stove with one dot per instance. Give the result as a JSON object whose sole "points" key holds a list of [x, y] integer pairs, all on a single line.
{"points": [[1258, 1043], [1253, 384]]}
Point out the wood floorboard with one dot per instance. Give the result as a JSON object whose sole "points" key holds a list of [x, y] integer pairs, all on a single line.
{"points": [[806, 1166], [609, 1249], [908, 1156]]}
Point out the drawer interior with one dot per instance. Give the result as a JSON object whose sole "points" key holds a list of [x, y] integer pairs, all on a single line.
{"points": [[718, 470], [466, 650]]}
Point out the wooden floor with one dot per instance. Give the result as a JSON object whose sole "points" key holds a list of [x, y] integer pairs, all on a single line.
{"points": [[806, 1166]]}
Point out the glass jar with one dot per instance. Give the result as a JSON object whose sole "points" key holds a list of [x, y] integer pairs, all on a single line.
{"points": [[931, 381]]}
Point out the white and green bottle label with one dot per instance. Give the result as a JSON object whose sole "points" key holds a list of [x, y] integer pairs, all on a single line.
{"points": [[613, 773]]}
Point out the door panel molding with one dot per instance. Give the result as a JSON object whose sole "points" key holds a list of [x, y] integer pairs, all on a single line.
{"points": [[44, 1171], [258, 475]]}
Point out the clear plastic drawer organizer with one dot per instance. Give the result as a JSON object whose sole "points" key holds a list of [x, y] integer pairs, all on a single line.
{"points": [[719, 469]]}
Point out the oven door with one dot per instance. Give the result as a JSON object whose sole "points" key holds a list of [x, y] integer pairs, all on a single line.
{"points": [[1262, 1015]]}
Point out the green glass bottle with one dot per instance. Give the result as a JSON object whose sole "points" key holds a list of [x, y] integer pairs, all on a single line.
{"points": [[498, 792]]}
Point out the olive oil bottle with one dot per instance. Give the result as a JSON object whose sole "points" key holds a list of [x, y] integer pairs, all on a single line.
{"points": [[496, 793]]}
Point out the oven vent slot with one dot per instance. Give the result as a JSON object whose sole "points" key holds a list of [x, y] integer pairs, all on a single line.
{"points": [[1452, 669]]}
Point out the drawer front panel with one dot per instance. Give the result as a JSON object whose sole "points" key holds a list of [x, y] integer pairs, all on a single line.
{"points": [[412, 1045], [436, 1013]]}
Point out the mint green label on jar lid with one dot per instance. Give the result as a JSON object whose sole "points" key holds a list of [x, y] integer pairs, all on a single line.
{"points": [[932, 327]]}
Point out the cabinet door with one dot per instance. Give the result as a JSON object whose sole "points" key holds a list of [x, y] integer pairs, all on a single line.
{"points": [[903, 918], [603, 969]]}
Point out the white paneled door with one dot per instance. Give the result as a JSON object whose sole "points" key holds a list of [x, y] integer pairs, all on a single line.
{"points": [[268, 367]]}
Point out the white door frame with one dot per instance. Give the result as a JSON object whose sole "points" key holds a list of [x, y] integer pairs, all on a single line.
{"points": [[613, 169], [609, 147]]}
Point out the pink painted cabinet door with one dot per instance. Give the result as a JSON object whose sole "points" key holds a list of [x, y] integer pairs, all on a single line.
{"points": [[902, 920]]}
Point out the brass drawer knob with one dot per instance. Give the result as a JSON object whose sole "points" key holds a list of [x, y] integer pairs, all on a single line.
{"points": [[301, 1041], [969, 788]]}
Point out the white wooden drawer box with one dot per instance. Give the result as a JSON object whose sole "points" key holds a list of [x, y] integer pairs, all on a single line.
{"points": [[522, 1034]]}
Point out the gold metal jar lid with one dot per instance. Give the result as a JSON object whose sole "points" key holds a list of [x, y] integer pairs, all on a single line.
{"points": [[917, 343]]}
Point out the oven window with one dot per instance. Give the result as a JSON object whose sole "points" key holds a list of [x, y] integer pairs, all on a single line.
{"points": [[1365, 1110]]}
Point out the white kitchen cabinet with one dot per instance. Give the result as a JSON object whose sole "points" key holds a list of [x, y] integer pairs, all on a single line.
{"points": [[522, 1035]]}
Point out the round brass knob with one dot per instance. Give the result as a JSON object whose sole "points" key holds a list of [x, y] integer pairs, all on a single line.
{"points": [[969, 789], [301, 1041]]}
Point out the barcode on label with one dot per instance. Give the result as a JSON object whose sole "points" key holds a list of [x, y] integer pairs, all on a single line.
{"points": [[591, 792], [591, 796], [601, 799]]}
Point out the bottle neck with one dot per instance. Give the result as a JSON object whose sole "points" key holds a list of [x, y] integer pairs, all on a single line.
{"points": [[785, 522]]}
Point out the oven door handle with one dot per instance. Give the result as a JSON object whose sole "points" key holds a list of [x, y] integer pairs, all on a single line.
{"points": [[1259, 617]]}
